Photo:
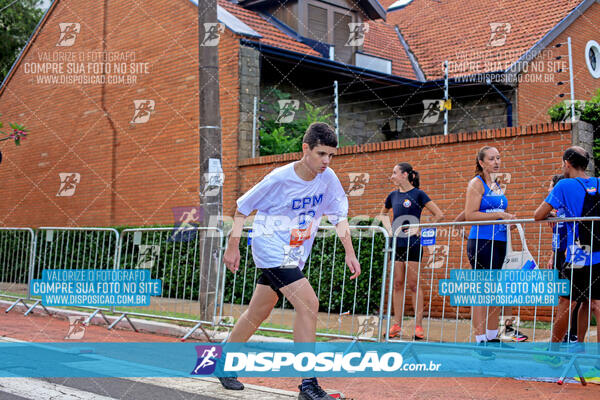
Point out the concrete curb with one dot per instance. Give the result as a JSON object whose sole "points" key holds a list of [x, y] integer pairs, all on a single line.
{"points": [[166, 329], [142, 325]]}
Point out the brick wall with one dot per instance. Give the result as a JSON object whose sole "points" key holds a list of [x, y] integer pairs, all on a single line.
{"points": [[535, 97], [131, 173], [446, 164]]}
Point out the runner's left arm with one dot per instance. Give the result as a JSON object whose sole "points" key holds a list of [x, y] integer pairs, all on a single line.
{"points": [[343, 230], [337, 212]]}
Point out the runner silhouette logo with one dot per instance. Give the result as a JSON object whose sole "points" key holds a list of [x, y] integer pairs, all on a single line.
{"points": [[207, 359]]}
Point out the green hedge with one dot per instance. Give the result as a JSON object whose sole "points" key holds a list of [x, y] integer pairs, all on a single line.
{"points": [[14, 256], [175, 265], [323, 254]]}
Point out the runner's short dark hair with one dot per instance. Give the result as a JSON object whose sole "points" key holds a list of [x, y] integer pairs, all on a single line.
{"points": [[320, 134], [577, 157]]}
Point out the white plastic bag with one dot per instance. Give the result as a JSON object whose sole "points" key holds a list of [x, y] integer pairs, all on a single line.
{"points": [[518, 259]]}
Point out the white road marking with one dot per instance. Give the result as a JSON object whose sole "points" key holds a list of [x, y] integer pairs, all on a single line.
{"points": [[41, 390], [212, 388]]}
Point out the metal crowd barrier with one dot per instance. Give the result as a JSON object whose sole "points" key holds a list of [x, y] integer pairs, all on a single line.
{"points": [[445, 323], [74, 248], [358, 310], [186, 259], [17, 247], [348, 309]]}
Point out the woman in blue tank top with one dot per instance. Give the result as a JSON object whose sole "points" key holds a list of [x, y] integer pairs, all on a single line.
{"points": [[486, 247]]}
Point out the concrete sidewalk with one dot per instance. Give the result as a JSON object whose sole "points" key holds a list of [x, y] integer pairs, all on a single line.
{"points": [[40, 327]]}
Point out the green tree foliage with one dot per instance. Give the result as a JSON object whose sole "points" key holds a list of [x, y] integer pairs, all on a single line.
{"points": [[327, 272], [280, 138], [17, 22], [586, 111], [177, 265]]}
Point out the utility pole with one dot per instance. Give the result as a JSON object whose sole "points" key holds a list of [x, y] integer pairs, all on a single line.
{"points": [[211, 182]]}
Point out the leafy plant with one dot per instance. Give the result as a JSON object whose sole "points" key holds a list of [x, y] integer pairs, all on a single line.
{"points": [[19, 133], [327, 272], [278, 141], [586, 111], [280, 138]]}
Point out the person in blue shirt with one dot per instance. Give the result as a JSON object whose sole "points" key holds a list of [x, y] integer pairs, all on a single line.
{"points": [[569, 195], [559, 254], [407, 203], [486, 247]]}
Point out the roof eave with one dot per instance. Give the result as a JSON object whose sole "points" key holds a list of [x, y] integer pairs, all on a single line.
{"points": [[333, 66], [234, 24], [377, 10], [372, 8], [413, 60]]}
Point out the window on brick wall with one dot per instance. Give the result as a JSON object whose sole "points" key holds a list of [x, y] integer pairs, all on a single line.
{"points": [[592, 58], [331, 24]]}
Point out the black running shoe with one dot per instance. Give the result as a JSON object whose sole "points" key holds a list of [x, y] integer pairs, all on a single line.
{"points": [[313, 392], [231, 383], [572, 338], [519, 336], [511, 334]]}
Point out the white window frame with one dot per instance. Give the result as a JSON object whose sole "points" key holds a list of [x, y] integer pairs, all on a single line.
{"points": [[593, 44]]}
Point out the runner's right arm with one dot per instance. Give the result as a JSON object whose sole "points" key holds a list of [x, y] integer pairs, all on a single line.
{"points": [[384, 217], [232, 253]]}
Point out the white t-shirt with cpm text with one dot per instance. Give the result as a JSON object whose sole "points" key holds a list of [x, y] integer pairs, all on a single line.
{"points": [[289, 210]]}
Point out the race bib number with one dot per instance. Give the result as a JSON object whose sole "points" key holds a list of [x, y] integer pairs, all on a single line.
{"points": [[299, 236]]}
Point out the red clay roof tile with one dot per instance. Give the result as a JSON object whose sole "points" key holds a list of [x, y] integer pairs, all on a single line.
{"points": [[382, 41], [270, 34], [459, 31]]}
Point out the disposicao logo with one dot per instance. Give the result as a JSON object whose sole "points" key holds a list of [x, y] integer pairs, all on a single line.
{"points": [[207, 359], [320, 362]]}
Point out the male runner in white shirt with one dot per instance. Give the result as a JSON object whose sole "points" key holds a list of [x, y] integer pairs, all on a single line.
{"points": [[290, 202]]}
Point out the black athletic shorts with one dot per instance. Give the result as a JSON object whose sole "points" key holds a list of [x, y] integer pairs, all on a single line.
{"points": [[412, 246], [559, 258], [279, 277], [481, 255], [580, 282]]}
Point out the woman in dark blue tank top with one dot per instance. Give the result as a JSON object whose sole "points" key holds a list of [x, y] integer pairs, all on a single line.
{"points": [[407, 203], [486, 247]]}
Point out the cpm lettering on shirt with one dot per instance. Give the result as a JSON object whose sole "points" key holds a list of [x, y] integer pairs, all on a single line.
{"points": [[313, 201]]}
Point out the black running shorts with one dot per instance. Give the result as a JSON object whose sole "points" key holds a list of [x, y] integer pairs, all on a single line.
{"points": [[279, 277], [486, 254], [409, 249], [581, 290]]}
